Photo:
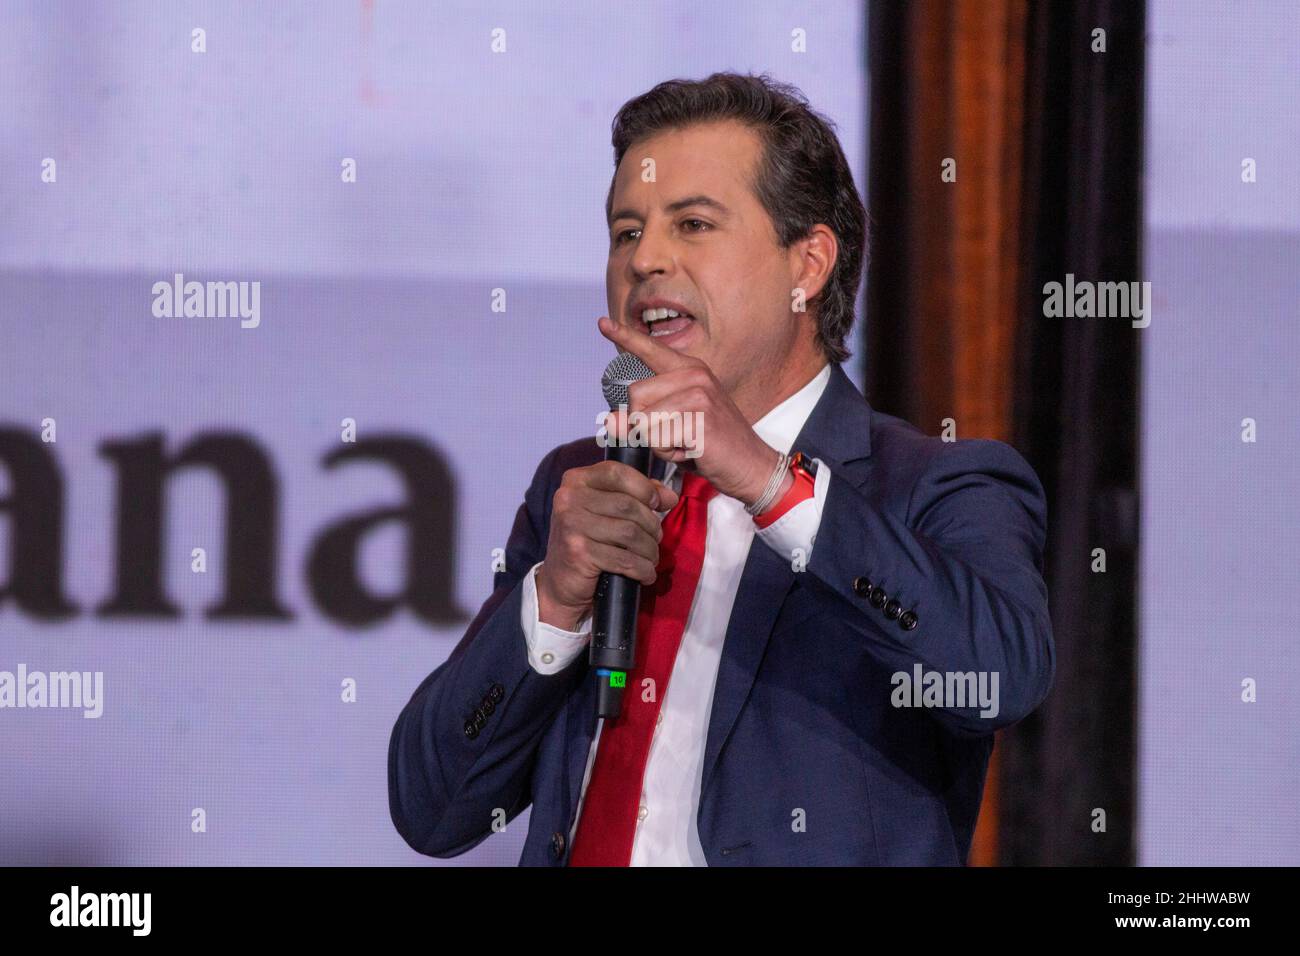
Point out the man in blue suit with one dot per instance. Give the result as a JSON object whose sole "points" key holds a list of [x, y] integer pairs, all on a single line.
{"points": [[838, 611]]}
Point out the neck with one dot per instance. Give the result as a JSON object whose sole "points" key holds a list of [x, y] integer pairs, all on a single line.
{"points": [[757, 398]]}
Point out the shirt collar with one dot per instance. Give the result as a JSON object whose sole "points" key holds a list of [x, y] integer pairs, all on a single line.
{"points": [[781, 426]]}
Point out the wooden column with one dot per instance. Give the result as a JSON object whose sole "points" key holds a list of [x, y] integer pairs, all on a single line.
{"points": [[948, 87]]}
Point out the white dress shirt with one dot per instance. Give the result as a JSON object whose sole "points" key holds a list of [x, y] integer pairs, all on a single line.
{"points": [[667, 833]]}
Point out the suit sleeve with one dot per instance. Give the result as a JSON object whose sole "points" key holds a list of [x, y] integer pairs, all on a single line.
{"points": [[966, 561], [463, 748]]}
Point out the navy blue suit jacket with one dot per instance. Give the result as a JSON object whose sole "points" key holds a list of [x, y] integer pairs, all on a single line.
{"points": [[808, 760]]}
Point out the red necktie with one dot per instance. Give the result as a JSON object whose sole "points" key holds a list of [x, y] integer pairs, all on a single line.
{"points": [[609, 810]]}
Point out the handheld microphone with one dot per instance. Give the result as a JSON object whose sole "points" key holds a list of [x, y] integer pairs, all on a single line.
{"points": [[618, 597]]}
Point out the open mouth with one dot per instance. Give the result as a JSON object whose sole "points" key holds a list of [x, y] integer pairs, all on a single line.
{"points": [[661, 322]]}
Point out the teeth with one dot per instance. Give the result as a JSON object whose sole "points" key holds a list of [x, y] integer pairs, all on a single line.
{"points": [[656, 315]]}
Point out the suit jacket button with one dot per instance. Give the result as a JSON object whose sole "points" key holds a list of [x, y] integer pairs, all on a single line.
{"points": [[878, 598], [488, 706], [471, 729], [908, 621], [893, 609], [862, 587], [557, 844], [497, 693]]}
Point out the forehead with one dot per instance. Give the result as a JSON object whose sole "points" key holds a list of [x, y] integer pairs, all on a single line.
{"points": [[717, 159]]}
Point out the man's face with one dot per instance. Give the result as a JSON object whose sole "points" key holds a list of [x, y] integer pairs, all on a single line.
{"points": [[697, 239]]}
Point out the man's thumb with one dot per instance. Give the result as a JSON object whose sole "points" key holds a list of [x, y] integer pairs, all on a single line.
{"points": [[667, 497]]}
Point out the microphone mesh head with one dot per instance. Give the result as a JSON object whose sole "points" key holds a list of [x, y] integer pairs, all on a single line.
{"points": [[619, 374]]}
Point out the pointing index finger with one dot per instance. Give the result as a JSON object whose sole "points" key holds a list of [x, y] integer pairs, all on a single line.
{"points": [[660, 358]]}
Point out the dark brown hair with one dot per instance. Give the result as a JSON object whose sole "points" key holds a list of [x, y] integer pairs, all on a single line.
{"points": [[802, 177]]}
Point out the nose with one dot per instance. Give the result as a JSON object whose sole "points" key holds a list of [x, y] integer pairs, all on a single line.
{"points": [[653, 253]]}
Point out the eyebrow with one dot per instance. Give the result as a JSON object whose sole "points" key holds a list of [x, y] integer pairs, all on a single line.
{"points": [[677, 206]]}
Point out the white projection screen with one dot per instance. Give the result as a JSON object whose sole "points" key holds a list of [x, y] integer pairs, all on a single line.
{"points": [[1218, 774], [127, 159]]}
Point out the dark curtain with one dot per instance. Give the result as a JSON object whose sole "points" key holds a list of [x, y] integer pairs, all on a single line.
{"points": [[1046, 133]]}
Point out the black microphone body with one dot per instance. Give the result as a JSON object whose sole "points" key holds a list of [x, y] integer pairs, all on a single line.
{"points": [[617, 598], [614, 610]]}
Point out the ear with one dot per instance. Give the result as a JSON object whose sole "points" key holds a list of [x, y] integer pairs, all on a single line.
{"points": [[812, 260]]}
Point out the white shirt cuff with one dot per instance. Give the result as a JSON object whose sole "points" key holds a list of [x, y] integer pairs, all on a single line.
{"points": [[792, 535], [550, 649]]}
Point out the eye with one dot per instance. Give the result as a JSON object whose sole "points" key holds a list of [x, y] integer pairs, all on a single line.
{"points": [[687, 222], [618, 237]]}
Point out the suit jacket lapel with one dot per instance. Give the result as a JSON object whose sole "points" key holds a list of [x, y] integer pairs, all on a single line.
{"points": [[581, 717], [838, 432]]}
